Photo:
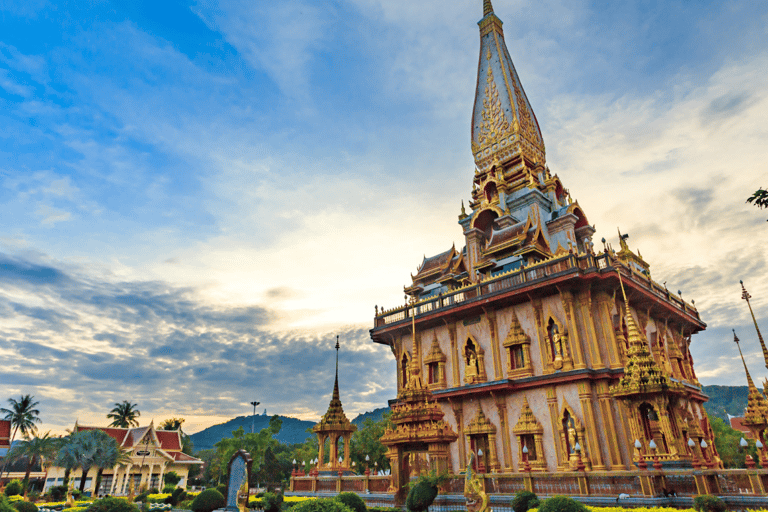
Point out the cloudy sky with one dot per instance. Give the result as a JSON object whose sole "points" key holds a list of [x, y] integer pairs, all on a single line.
{"points": [[197, 197]]}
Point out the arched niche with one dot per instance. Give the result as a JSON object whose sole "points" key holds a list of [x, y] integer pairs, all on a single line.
{"points": [[474, 361]]}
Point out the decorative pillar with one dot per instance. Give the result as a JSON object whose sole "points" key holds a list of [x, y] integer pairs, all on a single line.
{"points": [[458, 415], [501, 407], [585, 304], [454, 356], [491, 315], [555, 419], [162, 474], [592, 428], [546, 362], [573, 331], [604, 307], [609, 424]]}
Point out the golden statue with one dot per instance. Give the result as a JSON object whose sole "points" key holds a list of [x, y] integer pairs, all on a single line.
{"points": [[477, 499], [471, 370]]}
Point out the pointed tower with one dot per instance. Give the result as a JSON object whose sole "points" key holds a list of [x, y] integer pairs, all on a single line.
{"points": [[504, 126], [334, 426], [746, 296], [756, 415]]}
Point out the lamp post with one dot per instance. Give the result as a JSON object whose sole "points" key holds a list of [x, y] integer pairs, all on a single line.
{"points": [[694, 460], [367, 468], [748, 460], [641, 464], [480, 462], [761, 449], [579, 462], [654, 450], [303, 468], [707, 462], [253, 419], [526, 463]]}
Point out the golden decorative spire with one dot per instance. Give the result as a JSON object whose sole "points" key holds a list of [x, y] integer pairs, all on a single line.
{"points": [[487, 7], [757, 406], [334, 418], [746, 296], [504, 126], [641, 374]]}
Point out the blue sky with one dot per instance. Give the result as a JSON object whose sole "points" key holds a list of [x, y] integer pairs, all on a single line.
{"points": [[199, 196]]}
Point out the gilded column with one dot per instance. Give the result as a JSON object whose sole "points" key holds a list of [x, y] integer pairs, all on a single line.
{"points": [[609, 424], [573, 331], [491, 315], [592, 428], [589, 324], [546, 360], [554, 416], [454, 355], [501, 407], [458, 415], [604, 304]]}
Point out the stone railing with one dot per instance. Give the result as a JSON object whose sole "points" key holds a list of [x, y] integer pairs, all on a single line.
{"points": [[649, 483], [518, 278]]}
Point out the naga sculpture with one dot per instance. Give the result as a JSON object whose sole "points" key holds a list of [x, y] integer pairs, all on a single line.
{"points": [[474, 492]]}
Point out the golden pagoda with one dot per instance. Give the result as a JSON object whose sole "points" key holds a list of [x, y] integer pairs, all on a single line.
{"points": [[334, 426], [536, 354], [419, 440]]}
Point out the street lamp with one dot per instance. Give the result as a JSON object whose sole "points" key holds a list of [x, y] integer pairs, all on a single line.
{"points": [[641, 463], [253, 419]]}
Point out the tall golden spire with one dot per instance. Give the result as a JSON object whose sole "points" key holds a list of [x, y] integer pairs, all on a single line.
{"points": [[504, 126], [746, 296], [641, 374], [757, 406]]}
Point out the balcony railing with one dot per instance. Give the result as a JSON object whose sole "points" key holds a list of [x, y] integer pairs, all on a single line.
{"points": [[517, 278]]}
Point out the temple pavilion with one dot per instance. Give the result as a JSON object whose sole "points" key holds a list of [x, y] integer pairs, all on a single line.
{"points": [[529, 346]]}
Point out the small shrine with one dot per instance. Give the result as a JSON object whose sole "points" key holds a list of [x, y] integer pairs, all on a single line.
{"points": [[334, 427], [420, 439]]}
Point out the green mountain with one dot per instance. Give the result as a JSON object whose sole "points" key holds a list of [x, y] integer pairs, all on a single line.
{"points": [[293, 430], [725, 400]]}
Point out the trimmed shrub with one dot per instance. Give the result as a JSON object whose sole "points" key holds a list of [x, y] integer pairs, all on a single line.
{"points": [[352, 500], [14, 488], [178, 494], [142, 497], [4, 506], [25, 506], [708, 503], [562, 504], [222, 489], [321, 505], [421, 496], [168, 489], [208, 500], [272, 502], [111, 504], [185, 504], [171, 478], [524, 500]]}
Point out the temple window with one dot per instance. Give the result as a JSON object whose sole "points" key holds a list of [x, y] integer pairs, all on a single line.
{"points": [[481, 437], [529, 443], [518, 348], [529, 433], [435, 361]]}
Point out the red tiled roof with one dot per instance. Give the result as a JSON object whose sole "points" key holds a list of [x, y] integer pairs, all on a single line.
{"points": [[170, 440], [118, 434], [737, 424], [183, 457]]}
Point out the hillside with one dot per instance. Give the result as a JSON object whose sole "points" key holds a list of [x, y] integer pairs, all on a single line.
{"points": [[292, 431], [725, 400]]}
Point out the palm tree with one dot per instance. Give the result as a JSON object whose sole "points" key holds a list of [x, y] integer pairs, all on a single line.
{"points": [[108, 455], [171, 424], [43, 448], [85, 449], [124, 415], [22, 416]]}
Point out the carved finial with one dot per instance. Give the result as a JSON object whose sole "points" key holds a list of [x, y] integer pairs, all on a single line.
{"points": [[487, 7], [463, 210]]}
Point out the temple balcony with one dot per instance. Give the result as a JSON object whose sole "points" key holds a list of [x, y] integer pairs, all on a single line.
{"points": [[599, 271]]}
